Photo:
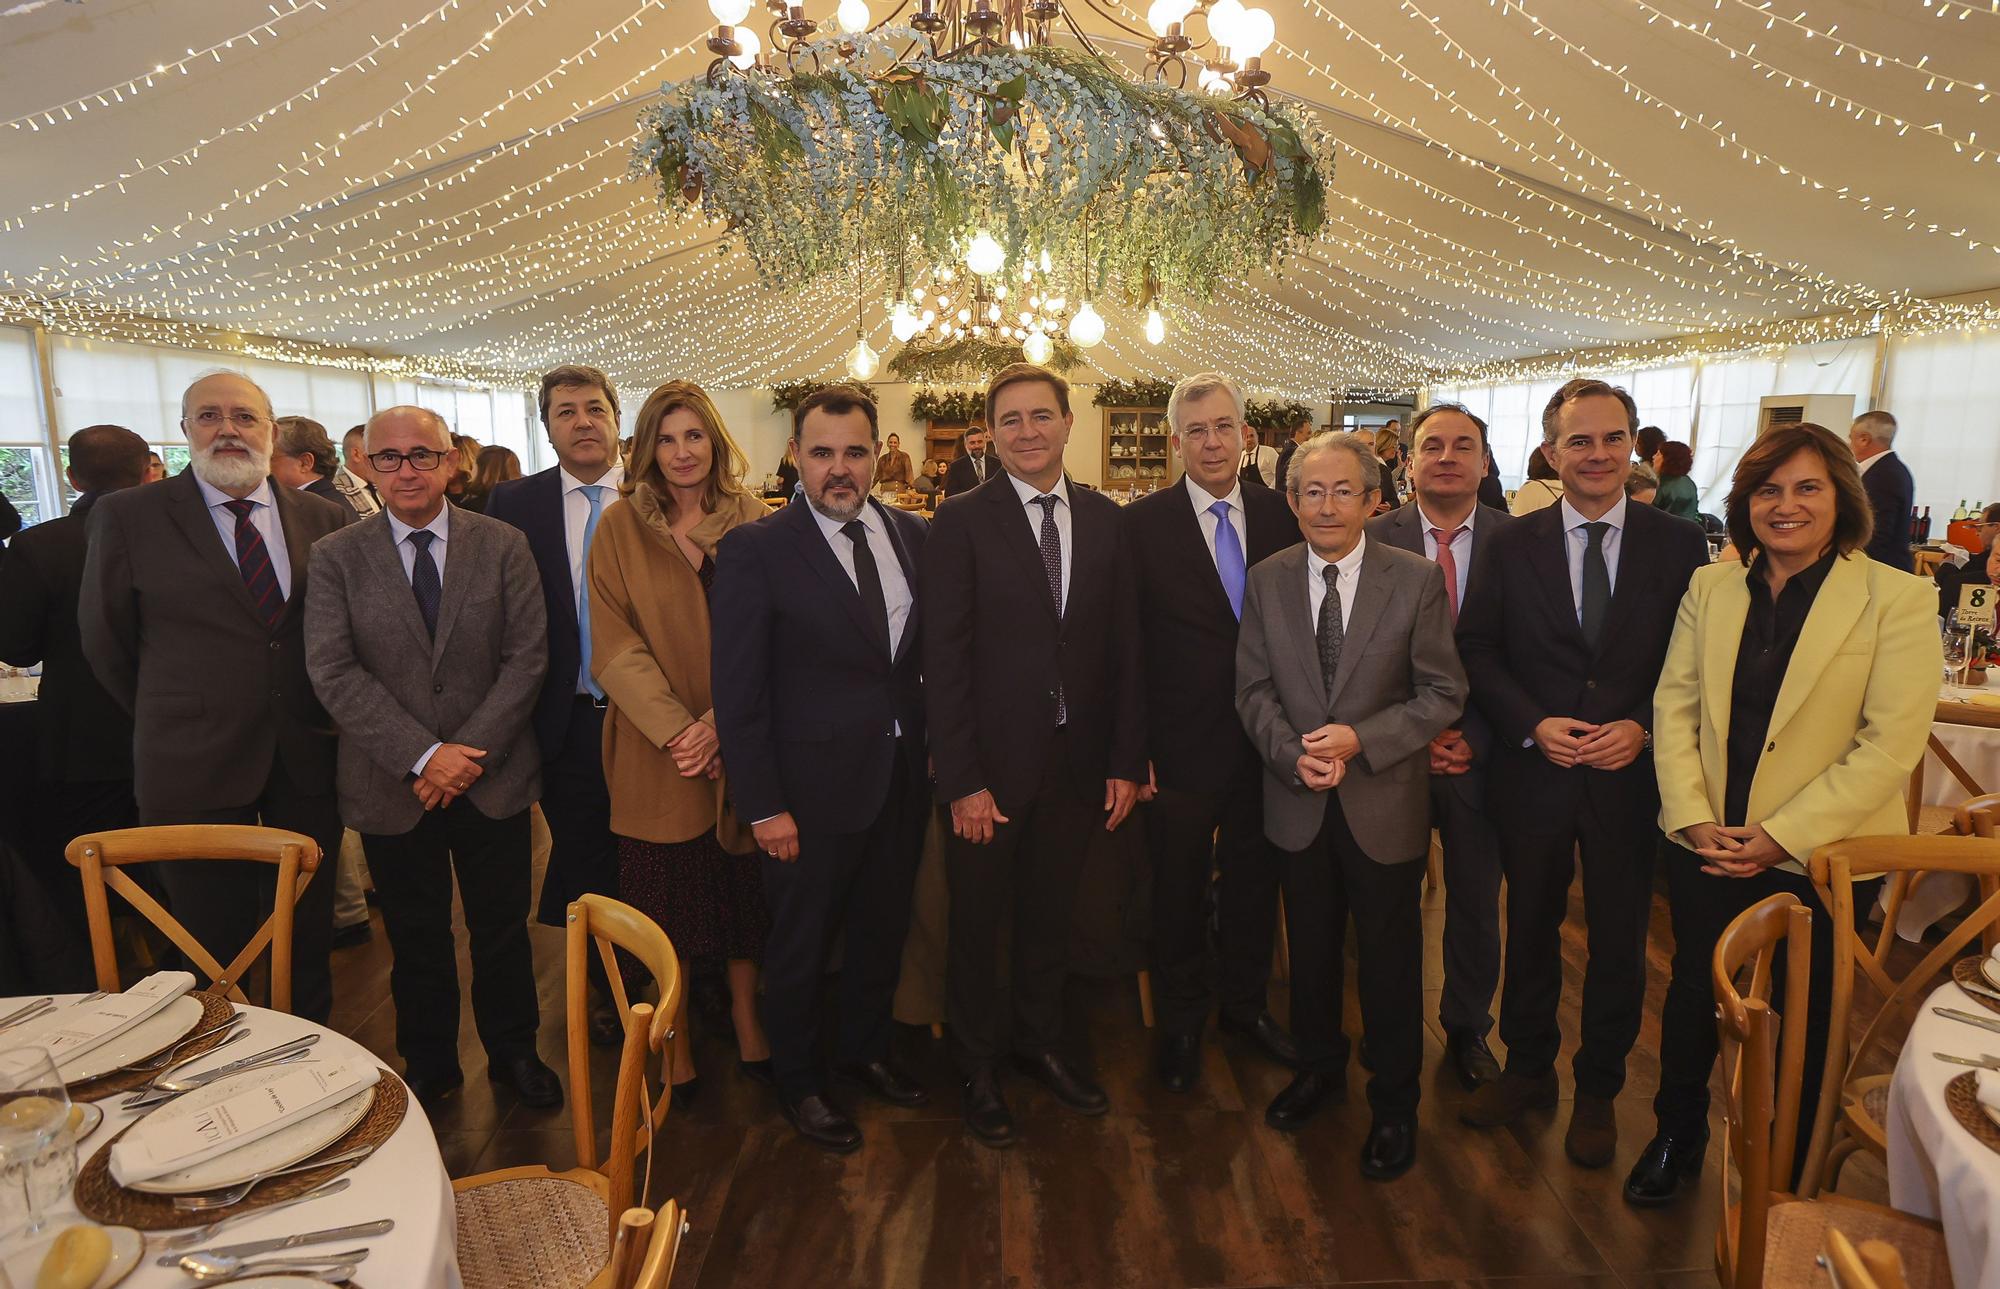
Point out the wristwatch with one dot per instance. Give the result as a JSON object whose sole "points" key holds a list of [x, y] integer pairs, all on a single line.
{"points": [[1646, 738]]}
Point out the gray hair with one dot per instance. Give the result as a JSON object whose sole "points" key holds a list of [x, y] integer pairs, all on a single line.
{"points": [[1642, 477], [443, 430], [224, 371], [1359, 446], [1200, 385], [1878, 425], [298, 435]]}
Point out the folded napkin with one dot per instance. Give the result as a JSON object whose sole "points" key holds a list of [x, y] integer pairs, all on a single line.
{"points": [[180, 1135], [68, 1032], [1988, 1083]]}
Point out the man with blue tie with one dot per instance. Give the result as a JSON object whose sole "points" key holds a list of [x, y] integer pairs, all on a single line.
{"points": [[1192, 548]]}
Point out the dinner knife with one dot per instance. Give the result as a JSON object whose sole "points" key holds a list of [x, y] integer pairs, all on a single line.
{"points": [[1979, 987], [269, 1056], [360, 1231], [1984, 1022], [1983, 1063]]}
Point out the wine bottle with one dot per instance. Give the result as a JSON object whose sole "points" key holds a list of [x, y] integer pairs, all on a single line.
{"points": [[1915, 540], [1924, 527], [1960, 512]]}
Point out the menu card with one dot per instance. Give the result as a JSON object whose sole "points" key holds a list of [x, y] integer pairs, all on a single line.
{"points": [[68, 1032], [180, 1135]]}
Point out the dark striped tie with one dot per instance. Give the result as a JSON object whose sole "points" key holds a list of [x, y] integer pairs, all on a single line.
{"points": [[424, 579], [254, 562]]}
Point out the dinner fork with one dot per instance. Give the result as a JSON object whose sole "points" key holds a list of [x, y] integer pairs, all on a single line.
{"points": [[161, 1089], [162, 1060], [1988, 1062], [32, 1009], [204, 1233], [234, 1194]]}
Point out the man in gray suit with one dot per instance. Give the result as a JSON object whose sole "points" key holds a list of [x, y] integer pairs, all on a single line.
{"points": [[428, 641], [1445, 523], [1345, 672]]}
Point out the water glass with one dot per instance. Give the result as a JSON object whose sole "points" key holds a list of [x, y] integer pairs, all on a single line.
{"points": [[37, 1147]]}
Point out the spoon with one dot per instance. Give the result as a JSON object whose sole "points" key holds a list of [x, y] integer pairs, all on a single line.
{"points": [[221, 1266]]}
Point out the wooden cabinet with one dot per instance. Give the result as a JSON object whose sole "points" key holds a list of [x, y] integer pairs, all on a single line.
{"points": [[1139, 454]]}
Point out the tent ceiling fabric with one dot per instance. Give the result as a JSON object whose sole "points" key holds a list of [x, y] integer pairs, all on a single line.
{"points": [[1516, 177]]}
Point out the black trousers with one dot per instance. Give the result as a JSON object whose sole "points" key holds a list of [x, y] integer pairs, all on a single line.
{"points": [[1471, 902], [56, 944], [583, 855], [1011, 899], [413, 872], [1324, 884], [858, 884], [222, 904], [1617, 862], [1190, 835]]}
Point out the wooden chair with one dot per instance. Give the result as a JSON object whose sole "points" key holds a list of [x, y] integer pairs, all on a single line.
{"points": [[1874, 1265], [539, 1229], [643, 1252], [1769, 1237], [1864, 1097], [99, 857]]}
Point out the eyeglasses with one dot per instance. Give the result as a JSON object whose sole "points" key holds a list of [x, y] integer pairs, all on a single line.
{"points": [[419, 458], [1316, 496], [212, 419]]}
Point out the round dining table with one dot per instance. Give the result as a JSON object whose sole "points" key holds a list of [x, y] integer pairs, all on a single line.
{"points": [[1937, 1169], [404, 1179]]}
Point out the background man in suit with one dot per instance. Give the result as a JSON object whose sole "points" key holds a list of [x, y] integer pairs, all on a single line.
{"points": [[1032, 670], [83, 760], [1192, 548], [558, 509], [1886, 480], [302, 457], [1563, 642], [1344, 674], [819, 705], [192, 617], [972, 469], [1300, 433], [428, 646], [355, 481], [1445, 523]]}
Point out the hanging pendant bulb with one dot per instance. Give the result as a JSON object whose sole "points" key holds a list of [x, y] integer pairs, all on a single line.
{"points": [[985, 256], [862, 361], [1086, 328], [1045, 261], [1156, 327], [1037, 348], [852, 16], [903, 321], [730, 13], [746, 39]]}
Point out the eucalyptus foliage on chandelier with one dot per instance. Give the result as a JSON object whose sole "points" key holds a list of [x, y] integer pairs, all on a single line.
{"points": [[1036, 146], [971, 358]]}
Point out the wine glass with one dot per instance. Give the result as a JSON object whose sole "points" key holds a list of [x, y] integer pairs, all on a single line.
{"points": [[37, 1147]]}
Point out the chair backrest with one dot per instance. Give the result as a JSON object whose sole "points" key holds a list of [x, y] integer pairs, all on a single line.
{"points": [[1835, 869], [609, 925], [98, 857], [1763, 1061], [645, 1247], [1875, 1265]]}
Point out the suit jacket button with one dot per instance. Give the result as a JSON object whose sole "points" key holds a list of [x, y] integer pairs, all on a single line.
{"points": [[275, 646], [1772, 748], [1590, 684], [437, 689]]}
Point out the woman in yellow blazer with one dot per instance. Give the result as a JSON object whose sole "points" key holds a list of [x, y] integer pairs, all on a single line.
{"points": [[1796, 698]]}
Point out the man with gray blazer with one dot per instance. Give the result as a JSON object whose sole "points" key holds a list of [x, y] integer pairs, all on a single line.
{"points": [[1444, 522], [1345, 673], [427, 643]]}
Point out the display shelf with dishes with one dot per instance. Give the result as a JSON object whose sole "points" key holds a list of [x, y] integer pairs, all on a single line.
{"points": [[1139, 455]]}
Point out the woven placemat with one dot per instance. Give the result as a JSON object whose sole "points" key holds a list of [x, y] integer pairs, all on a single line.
{"points": [[101, 1199], [215, 1009], [1966, 970], [1962, 1096]]}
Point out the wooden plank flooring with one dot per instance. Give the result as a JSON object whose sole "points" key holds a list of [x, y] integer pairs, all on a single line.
{"points": [[1163, 1192]]}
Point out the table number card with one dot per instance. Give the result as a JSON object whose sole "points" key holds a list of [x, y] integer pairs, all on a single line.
{"points": [[180, 1135], [1976, 605]]}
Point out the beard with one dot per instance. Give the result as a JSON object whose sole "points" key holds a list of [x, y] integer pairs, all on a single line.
{"points": [[838, 514], [228, 473]]}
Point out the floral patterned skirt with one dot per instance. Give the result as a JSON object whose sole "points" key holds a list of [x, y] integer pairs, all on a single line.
{"points": [[708, 901]]}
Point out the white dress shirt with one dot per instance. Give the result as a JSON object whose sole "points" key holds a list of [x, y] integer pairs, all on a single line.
{"points": [[1868, 461], [262, 517], [1206, 518], [1033, 512], [1576, 541], [1461, 545], [895, 587], [406, 550], [576, 513], [1347, 573], [1266, 461]]}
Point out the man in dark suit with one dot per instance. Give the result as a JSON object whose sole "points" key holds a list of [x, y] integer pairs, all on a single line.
{"points": [[975, 467], [1192, 548], [1344, 674], [819, 704], [428, 646], [1886, 480], [1563, 643], [84, 747], [558, 509], [192, 616], [1444, 522], [1300, 433], [1032, 672], [302, 457]]}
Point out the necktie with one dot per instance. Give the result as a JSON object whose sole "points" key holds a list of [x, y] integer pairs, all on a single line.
{"points": [[424, 580], [1052, 565], [1228, 557], [869, 579], [979, 466], [594, 493], [1596, 583], [1448, 561], [254, 562], [1331, 632]]}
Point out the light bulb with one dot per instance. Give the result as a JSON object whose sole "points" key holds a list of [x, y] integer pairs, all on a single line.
{"points": [[1156, 327], [1254, 34], [1000, 290], [944, 302], [852, 16], [1165, 13], [964, 316], [1212, 81], [862, 360], [984, 255], [903, 321], [1086, 328], [929, 316], [746, 38], [1225, 22], [730, 13], [1045, 261], [978, 331], [1026, 317], [946, 274], [1037, 348], [917, 294], [1057, 303], [993, 313]]}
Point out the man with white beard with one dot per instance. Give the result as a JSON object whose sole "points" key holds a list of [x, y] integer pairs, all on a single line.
{"points": [[192, 617]]}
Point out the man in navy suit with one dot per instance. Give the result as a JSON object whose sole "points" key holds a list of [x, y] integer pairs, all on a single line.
{"points": [[558, 509], [1886, 480], [819, 704]]}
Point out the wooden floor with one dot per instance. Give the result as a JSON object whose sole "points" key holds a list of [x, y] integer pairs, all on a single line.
{"points": [[1164, 1191]]}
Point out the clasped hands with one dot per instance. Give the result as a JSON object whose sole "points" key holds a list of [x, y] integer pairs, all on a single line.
{"points": [[1569, 742], [448, 775], [1328, 749], [1734, 852], [697, 751], [1450, 753]]}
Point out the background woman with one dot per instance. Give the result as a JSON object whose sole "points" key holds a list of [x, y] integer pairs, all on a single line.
{"points": [[463, 463], [1677, 495], [894, 467], [494, 466], [1796, 698], [684, 858], [1542, 487]]}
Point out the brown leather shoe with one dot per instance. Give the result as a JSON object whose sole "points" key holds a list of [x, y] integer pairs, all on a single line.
{"points": [[1593, 1132], [1502, 1101]]}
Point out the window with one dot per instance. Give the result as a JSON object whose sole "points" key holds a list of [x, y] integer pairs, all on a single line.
{"points": [[1944, 390], [28, 478]]}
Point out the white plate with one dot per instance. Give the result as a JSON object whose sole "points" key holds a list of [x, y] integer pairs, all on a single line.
{"points": [[1990, 972], [149, 1037], [288, 1145], [128, 1247], [84, 1118]]}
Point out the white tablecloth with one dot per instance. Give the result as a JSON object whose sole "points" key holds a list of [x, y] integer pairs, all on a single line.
{"points": [[1936, 1168], [1975, 747], [405, 1179]]}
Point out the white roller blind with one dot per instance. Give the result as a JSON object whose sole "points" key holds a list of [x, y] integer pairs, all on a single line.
{"points": [[1944, 391]]}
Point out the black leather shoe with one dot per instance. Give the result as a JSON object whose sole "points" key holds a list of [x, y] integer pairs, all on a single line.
{"points": [[821, 1122], [606, 1030], [1302, 1098], [535, 1083], [757, 1071], [432, 1086], [1264, 1030], [1471, 1058], [1667, 1166], [346, 937], [1070, 1088], [888, 1083], [685, 1093], [1390, 1150], [1180, 1061], [986, 1112]]}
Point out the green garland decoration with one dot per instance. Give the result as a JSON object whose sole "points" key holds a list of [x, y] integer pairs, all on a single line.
{"points": [[971, 358], [1275, 413], [968, 405], [1133, 393]]}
